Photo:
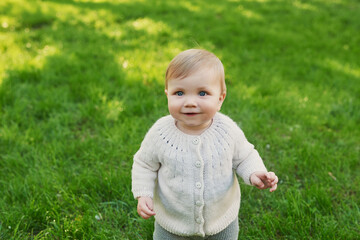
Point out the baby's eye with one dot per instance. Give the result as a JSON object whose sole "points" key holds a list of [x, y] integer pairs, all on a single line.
{"points": [[179, 93], [202, 93]]}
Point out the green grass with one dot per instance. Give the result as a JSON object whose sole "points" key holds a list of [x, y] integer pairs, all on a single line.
{"points": [[82, 81]]}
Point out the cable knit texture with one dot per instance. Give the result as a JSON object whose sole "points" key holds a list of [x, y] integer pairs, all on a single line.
{"points": [[192, 178]]}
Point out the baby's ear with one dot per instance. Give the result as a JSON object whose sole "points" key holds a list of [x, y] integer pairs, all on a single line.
{"points": [[222, 96], [166, 92], [221, 99]]}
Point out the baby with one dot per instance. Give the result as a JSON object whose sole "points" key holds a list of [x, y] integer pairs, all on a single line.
{"points": [[184, 171]]}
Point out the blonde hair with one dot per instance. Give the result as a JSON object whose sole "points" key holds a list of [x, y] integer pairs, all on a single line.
{"points": [[191, 60]]}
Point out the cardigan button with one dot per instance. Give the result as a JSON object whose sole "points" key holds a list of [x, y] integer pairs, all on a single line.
{"points": [[198, 220], [196, 141], [198, 164], [198, 185], [198, 203]]}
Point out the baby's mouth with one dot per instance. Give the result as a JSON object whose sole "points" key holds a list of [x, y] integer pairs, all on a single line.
{"points": [[191, 114]]}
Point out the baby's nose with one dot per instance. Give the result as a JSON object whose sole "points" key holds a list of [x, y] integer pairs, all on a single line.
{"points": [[190, 102]]}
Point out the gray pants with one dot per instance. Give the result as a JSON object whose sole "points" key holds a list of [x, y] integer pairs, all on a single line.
{"points": [[231, 232]]}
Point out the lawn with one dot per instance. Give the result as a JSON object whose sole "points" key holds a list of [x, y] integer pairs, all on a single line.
{"points": [[82, 81]]}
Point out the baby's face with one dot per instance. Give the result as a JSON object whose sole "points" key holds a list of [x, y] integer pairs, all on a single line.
{"points": [[194, 100]]}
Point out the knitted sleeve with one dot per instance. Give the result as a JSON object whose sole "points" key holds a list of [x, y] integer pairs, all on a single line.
{"points": [[246, 158], [145, 166]]}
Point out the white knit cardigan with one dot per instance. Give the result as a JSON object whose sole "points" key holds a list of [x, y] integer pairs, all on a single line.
{"points": [[191, 178]]}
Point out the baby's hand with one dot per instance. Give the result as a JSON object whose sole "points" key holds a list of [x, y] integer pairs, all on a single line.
{"points": [[145, 207], [264, 180]]}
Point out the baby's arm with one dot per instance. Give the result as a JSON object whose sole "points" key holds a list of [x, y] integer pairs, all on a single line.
{"points": [[264, 180], [144, 174], [145, 207]]}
